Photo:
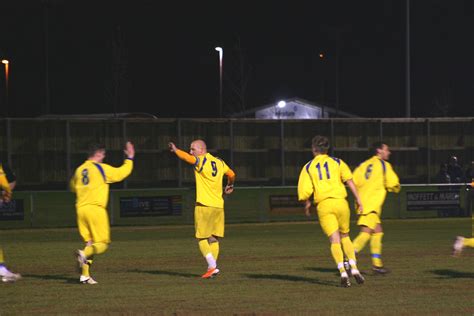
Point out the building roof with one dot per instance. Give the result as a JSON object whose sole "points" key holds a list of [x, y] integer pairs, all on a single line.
{"points": [[334, 112]]}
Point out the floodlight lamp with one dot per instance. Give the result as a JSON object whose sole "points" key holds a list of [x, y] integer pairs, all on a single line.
{"points": [[281, 104]]}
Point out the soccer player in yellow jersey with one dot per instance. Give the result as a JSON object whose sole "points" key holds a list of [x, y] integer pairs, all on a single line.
{"points": [[324, 178], [91, 184], [461, 242], [209, 210], [373, 178], [7, 184]]}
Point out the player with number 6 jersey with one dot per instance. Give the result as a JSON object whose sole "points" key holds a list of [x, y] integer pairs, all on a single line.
{"points": [[373, 178], [91, 184], [209, 210]]}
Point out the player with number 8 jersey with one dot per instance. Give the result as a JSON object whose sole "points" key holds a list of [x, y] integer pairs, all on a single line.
{"points": [[91, 184], [209, 209]]}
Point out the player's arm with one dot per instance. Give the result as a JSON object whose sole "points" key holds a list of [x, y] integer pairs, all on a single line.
{"points": [[72, 183], [11, 177], [346, 177], [113, 174], [358, 176], [392, 183], [7, 182], [229, 188], [305, 189], [190, 159], [5, 188], [353, 189], [305, 185]]}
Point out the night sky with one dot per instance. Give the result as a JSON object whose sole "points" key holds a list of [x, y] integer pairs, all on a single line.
{"points": [[159, 58]]}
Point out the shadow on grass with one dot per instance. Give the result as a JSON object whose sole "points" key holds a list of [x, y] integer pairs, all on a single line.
{"points": [[170, 273], [452, 274], [325, 270], [57, 277], [291, 278]]}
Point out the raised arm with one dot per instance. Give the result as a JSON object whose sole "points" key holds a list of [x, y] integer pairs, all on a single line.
{"points": [[190, 159], [113, 174]]}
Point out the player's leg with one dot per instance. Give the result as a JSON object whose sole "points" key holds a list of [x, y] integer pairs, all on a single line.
{"points": [[97, 229], [214, 244], [217, 231], [7, 275], [364, 235], [203, 226], [329, 225], [376, 249], [86, 235], [343, 218], [460, 243], [86, 263], [468, 242]]}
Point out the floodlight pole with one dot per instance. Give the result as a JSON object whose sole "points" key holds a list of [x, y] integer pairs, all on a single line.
{"points": [[221, 55], [407, 70], [6, 63]]}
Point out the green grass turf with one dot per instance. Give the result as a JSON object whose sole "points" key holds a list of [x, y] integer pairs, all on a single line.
{"points": [[267, 269]]}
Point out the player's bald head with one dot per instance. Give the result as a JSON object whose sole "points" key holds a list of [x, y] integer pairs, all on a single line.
{"points": [[198, 147]]}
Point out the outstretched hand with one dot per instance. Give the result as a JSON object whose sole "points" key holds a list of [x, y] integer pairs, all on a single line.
{"points": [[129, 150], [172, 147]]}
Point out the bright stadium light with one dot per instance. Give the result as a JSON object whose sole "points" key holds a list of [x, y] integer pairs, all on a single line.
{"points": [[281, 104]]}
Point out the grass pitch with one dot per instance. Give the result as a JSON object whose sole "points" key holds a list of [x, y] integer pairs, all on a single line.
{"points": [[267, 269]]}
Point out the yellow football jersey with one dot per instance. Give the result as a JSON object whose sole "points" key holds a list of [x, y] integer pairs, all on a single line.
{"points": [[4, 181], [91, 181], [209, 171], [324, 176], [373, 178]]}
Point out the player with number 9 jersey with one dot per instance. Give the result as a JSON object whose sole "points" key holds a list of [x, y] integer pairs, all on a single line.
{"points": [[209, 209]]}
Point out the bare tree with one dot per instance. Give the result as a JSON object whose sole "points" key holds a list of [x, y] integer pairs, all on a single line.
{"points": [[237, 74]]}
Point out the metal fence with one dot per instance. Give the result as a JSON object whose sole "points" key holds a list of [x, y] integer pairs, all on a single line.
{"points": [[44, 152], [246, 204]]}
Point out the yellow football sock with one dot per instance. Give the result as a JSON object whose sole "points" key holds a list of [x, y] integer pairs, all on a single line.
{"points": [[86, 267], [348, 248], [468, 242], [360, 241], [2, 259], [96, 249], [215, 249], [338, 255], [204, 247], [376, 249]]}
